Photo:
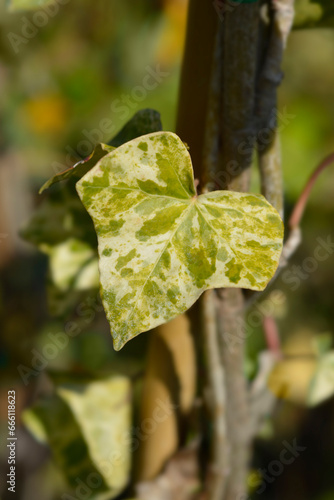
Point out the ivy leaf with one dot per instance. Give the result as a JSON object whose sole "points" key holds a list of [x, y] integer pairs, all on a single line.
{"points": [[88, 429], [73, 264], [80, 168], [143, 122], [160, 245]]}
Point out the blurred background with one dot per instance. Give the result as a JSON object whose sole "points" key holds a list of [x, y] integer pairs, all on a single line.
{"points": [[59, 83]]}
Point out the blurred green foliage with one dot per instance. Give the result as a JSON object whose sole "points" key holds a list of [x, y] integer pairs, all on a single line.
{"points": [[59, 85]]}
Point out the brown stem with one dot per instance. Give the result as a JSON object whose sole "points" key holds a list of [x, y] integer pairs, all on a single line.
{"points": [[239, 55], [195, 80], [231, 329], [239, 33]]}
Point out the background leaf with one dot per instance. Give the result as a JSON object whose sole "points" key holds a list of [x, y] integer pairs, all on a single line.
{"points": [[87, 427], [322, 384], [62, 229], [314, 13]]}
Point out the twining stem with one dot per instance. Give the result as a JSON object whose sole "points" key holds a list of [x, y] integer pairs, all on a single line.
{"points": [[239, 37]]}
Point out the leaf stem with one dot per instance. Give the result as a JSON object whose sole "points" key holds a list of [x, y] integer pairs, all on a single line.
{"points": [[299, 208]]}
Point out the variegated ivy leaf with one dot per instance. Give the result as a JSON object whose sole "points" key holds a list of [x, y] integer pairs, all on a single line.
{"points": [[160, 245], [87, 426], [73, 264], [322, 384]]}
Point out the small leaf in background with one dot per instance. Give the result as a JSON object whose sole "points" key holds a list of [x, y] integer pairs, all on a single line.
{"points": [[59, 217], [143, 122], [87, 427], [291, 376], [323, 343], [73, 264], [160, 245], [322, 384], [80, 168], [314, 13], [306, 373]]}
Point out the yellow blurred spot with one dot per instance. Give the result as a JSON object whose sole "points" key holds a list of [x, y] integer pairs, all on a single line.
{"points": [[46, 113], [254, 480], [170, 46]]}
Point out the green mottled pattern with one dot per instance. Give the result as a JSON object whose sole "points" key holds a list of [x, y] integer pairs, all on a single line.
{"points": [[160, 245]]}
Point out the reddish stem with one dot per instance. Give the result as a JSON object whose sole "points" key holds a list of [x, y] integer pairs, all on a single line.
{"points": [[301, 203], [271, 334]]}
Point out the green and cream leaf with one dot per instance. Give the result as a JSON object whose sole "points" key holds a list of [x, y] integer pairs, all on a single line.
{"points": [[160, 245], [322, 384], [88, 428]]}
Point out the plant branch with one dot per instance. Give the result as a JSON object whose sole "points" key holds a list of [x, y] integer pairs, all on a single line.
{"points": [[216, 398], [195, 80], [231, 340], [299, 208], [238, 35]]}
